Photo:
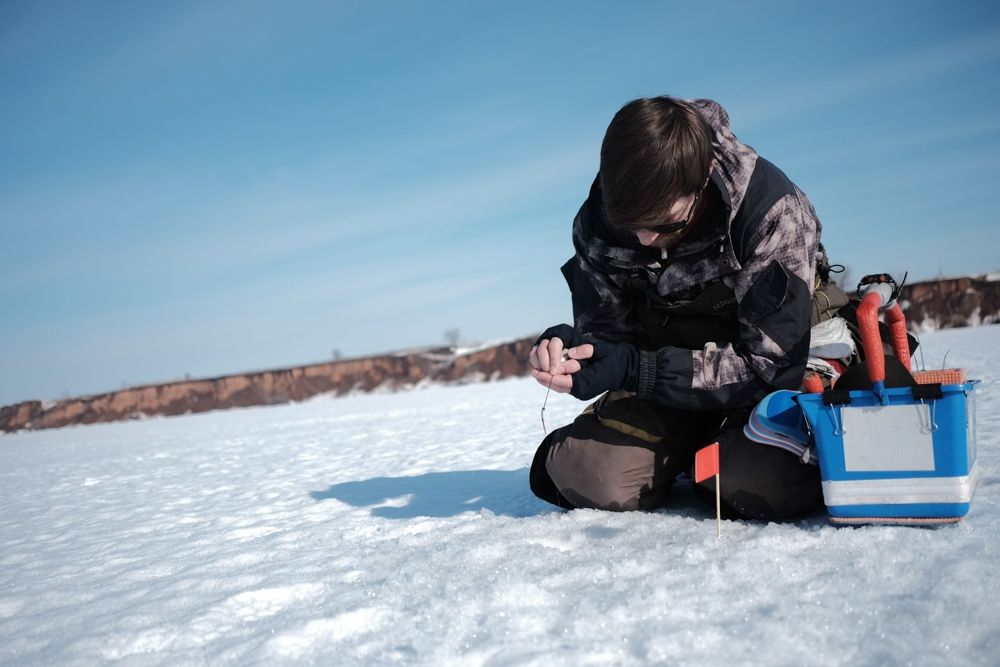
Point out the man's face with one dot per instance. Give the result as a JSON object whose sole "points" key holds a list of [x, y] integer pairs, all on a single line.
{"points": [[682, 210]]}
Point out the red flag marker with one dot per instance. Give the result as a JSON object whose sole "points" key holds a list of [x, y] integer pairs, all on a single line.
{"points": [[706, 464]]}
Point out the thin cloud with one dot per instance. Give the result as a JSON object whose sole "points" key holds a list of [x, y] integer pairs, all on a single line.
{"points": [[771, 107], [890, 147], [263, 226]]}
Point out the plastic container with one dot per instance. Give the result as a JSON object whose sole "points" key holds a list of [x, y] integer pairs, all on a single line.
{"points": [[894, 455], [905, 455]]}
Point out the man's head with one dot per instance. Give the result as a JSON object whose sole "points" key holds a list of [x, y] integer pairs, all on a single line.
{"points": [[655, 162]]}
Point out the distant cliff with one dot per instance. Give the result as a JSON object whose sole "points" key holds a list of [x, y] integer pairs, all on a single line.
{"points": [[932, 304], [947, 303], [390, 371]]}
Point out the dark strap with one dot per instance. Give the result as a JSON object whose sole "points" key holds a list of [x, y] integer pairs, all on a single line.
{"points": [[836, 396], [927, 392]]}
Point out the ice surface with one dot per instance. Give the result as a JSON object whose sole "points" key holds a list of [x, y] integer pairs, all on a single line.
{"points": [[399, 529]]}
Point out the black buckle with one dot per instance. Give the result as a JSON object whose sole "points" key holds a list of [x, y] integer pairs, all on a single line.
{"points": [[927, 392], [836, 397]]}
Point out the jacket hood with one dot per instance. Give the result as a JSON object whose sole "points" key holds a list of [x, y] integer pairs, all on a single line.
{"points": [[735, 161]]}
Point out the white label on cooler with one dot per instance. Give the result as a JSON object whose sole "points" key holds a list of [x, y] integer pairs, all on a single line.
{"points": [[888, 438]]}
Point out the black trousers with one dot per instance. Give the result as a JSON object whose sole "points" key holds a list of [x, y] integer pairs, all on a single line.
{"points": [[624, 453]]}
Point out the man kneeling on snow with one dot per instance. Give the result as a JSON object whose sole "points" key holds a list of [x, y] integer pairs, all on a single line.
{"points": [[692, 287]]}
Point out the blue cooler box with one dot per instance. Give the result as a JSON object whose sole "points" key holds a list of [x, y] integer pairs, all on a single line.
{"points": [[909, 457]]}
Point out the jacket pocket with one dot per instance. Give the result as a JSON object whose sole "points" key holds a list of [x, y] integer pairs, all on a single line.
{"points": [[584, 296], [778, 303]]}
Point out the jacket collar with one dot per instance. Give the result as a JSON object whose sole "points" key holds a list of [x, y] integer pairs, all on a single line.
{"points": [[705, 254]]}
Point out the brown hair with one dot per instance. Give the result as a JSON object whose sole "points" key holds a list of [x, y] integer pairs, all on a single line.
{"points": [[656, 150]]}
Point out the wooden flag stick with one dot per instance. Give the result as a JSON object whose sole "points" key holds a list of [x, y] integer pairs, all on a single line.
{"points": [[706, 464], [718, 509]]}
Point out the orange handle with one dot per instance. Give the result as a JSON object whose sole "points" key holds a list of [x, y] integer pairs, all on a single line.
{"points": [[871, 341], [900, 342], [812, 384]]}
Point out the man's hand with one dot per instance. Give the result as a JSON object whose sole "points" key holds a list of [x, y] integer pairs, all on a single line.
{"points": [[556, 356], [610, 365], [561, 363]]}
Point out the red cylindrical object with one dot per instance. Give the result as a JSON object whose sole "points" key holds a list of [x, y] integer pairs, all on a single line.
{"points": [[871, 341], [812, 384], [900, 342]]}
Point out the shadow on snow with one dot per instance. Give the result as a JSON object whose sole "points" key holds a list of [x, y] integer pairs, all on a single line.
{"points": [[440, 494], [503, 492]]}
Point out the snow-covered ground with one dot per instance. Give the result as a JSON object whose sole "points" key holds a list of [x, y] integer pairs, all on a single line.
{"points": [[399, 528]]}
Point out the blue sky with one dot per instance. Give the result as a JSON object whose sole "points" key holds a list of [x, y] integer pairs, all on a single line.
{"points": [[211, 187]]}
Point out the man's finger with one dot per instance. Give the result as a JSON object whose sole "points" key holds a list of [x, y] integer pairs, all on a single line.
{"points": [[555, 355], [533, 356], [562, 384], [542, 354], [558, 383], [571, 366], [542, 377], [585, 351], [562, 369]]}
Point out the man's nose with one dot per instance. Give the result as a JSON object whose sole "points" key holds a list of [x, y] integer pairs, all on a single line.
{"points": [[646, 237]]}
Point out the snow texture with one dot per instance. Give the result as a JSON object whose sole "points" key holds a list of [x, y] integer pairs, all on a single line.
{"points": [[399, 529]]}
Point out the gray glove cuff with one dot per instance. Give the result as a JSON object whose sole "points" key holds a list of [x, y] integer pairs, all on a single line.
{"points": [[647, 373]]}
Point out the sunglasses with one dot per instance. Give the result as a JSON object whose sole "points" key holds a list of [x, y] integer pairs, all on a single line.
{"points": [[671, 227]]}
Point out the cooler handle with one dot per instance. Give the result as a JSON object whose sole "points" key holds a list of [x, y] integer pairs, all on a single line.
{"points": [[881, 295]]}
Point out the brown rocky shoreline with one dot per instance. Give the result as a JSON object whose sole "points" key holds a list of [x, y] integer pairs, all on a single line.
{"points": [[929, 305], [269, 387]]}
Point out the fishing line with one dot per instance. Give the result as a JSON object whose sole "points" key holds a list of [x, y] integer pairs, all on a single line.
{"points": [[564, 358], [545, 431]]}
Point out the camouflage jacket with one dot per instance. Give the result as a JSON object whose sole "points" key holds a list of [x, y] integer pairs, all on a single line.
{"points": [[760, 238]]}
